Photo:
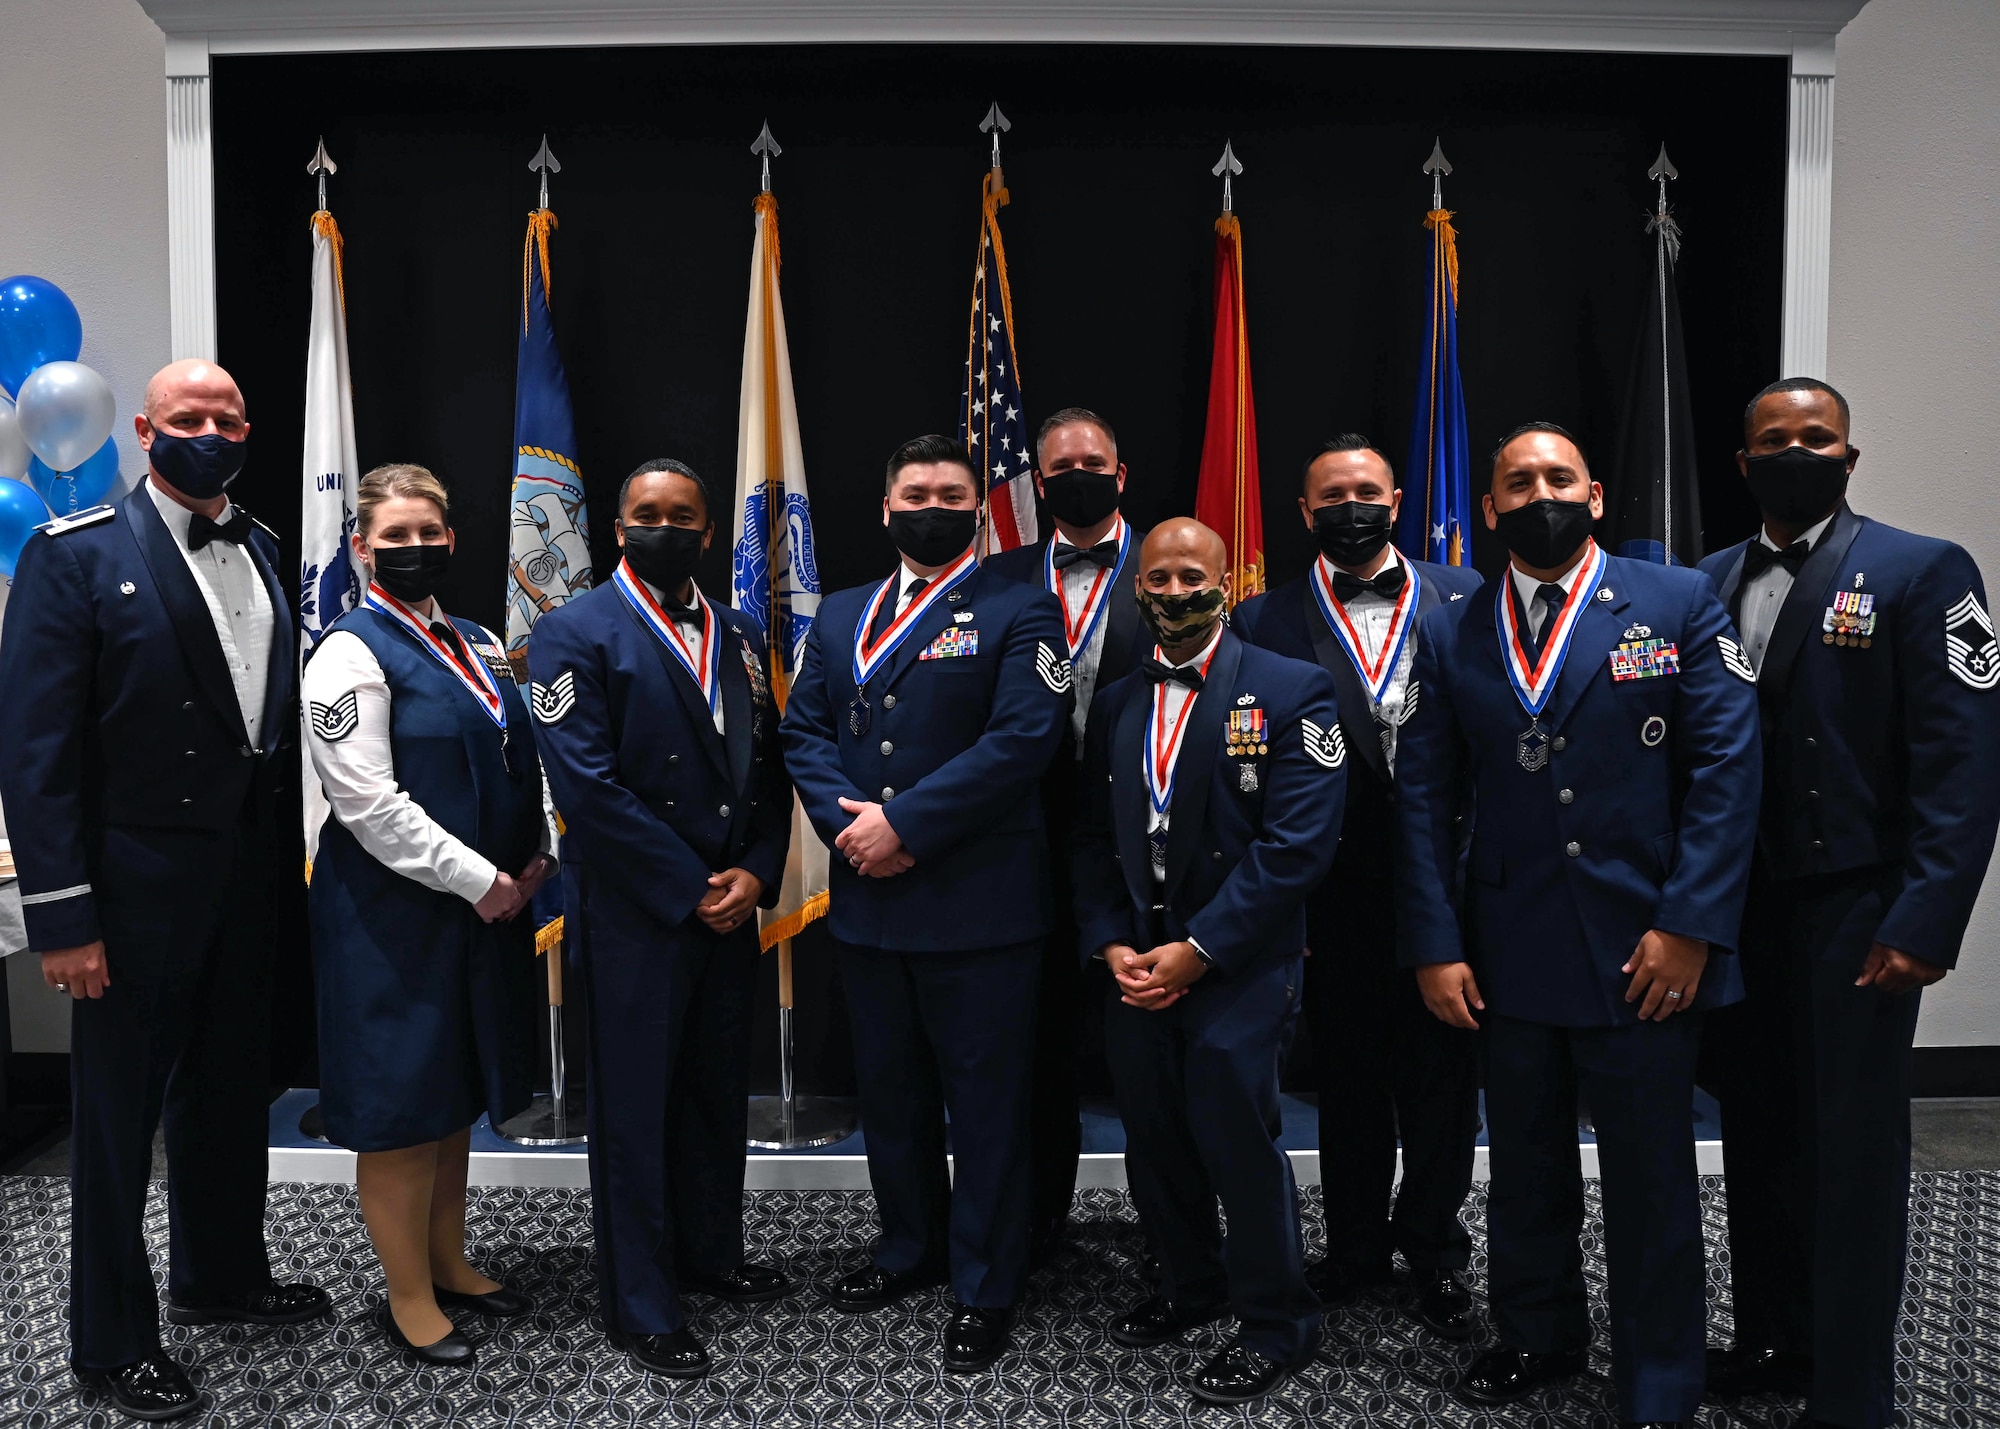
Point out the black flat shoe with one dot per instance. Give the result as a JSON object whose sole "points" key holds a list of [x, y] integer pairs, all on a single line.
{"points": [[1444, 1305], [1501, 1375], [454, 1351], [1337, 1282], [1746, 1370], [974, 1337], [503, 1303], [677, 1356], [154, 1389], [1158, 1320], [274, 1305], [871, 1287], [747, 1284], [1239, 1375]]}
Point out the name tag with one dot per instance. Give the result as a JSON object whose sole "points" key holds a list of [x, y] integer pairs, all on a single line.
{"points": [[951, 644], [1645, 660]]}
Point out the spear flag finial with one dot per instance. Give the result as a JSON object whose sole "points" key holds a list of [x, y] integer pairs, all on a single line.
{"points": [[320, 165], [995, 123], [1437, 166], [1226, 166], [544, 163], [1662, 221], [766, 146]]}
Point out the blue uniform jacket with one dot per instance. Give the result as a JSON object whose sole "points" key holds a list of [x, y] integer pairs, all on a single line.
{"points": [[120, 710], [1643, 817], [953, 749], [653, 800], [1883, 752], [1288, 620], [1126, 639], [1249, 834]]}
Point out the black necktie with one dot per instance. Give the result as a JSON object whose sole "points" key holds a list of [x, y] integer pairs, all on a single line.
{"points": [[201, 530], [1159, 671], [444, 631], [886, 616], [1551, 596], [1386, 582], [1759, 558], [1104, 553]]}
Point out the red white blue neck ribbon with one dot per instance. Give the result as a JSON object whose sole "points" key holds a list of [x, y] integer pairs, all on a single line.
{"points": [[1080, 628], [871, 655], [1163, 743], [1533, 684], [478, 683], [1375, 675], [701, 664]]}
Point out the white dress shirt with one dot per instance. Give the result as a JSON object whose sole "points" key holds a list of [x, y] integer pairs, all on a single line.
{"points": [[1370, 612], [238, 602], [1763, 597], [1178, 698], [1076, 582], [691, 634], [1526, 586], [359, 776]]}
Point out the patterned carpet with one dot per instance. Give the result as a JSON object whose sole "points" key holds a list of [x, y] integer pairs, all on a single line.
{"points": [[797, 1364]]}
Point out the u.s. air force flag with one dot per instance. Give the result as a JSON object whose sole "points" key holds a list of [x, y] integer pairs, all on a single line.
{"points": [[549, 556], [773, 579], [329, 585]]}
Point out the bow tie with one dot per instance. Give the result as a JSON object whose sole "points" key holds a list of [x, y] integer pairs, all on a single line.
{"points": [[1104, 553], [680, 614], [1159, 672], [1759, 558], [201, 530], [1386, 582]]}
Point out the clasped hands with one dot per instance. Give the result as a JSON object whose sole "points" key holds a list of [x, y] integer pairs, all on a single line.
{"points": [[508, 895], [871, 847], [1155, 980], [1666, 971]]}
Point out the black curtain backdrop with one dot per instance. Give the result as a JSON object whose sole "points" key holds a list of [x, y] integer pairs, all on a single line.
{"points": [[1109, 239]]}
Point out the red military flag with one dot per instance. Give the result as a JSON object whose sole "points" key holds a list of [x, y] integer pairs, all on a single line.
{"points": [[1227, 496]]}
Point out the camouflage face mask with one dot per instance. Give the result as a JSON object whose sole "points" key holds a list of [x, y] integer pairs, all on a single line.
{"points": [[1179, 622]]}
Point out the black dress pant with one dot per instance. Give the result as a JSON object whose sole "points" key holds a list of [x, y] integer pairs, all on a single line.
{"points": [[1055, 1126], [1816, 1139], [1386, 1069], [669, 1012], [179, 1036]]}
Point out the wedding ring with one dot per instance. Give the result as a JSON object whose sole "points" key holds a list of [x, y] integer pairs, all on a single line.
{"points": [[62, 987], [1675, 996]]}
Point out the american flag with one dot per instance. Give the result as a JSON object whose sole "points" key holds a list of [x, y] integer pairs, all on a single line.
{"points": [[990, 416]]}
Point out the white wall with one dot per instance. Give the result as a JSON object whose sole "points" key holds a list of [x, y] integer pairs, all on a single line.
{"points": [[1913, 337], [83, 203]]}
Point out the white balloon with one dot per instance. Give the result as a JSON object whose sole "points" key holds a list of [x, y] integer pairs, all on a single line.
{"points": [[66, 412], [13, 446]]}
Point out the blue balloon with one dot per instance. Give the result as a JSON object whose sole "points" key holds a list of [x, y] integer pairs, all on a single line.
{"points": [[38, 324], [21, 511], [68, 492]]}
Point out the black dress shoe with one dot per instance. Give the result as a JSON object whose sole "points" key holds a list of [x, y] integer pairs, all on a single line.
{"points": [[1501, 1375], [871, 1287], [454, 1351], [1336, 1281], [747, 1284], [1444, 1305], [1158, 1319], [677, 1356], [153, 1389], [975, 1336], [504, 1302], [1239, 1375], [273, 1305], [1745, 1370]]}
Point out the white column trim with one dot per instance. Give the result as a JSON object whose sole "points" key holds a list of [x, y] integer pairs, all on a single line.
{"points": [[190, 200], [1808, 210]]}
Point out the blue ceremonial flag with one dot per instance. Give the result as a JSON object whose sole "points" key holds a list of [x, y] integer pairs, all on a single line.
{"points": [[549, 559], [1436, 519]]}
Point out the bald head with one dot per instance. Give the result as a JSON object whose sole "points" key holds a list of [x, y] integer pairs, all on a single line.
{"points": [[197, 389], [1184, 544]]}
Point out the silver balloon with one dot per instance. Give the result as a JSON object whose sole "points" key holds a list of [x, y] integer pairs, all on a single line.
{"points": [[66, 411], [13, 446]]}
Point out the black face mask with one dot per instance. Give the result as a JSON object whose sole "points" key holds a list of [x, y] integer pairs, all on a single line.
{"points": [[200, 467], [933, 535], [1181, 622], [1545, 533], [411, 573], [1352, 533], [665, 557], [1080, 496], [1796, 486]]}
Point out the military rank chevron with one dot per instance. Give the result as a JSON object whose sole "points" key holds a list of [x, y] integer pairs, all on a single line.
{"points": [[1055, 671], [554, 700], [336, 721], [1328, 747], [1969, 647], [1734, 660]]}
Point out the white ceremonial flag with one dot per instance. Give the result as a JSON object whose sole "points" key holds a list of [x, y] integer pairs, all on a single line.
{"points": [[773, 578], [329, 580]]}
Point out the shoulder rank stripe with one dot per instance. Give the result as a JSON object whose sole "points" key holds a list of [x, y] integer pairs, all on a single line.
{"points": [[90, 516]]}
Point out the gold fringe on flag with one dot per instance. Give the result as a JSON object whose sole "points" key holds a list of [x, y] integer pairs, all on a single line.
{"points": [[326, 228], [539, 224], [772, 934], [550, 937], [1438, 221]]}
